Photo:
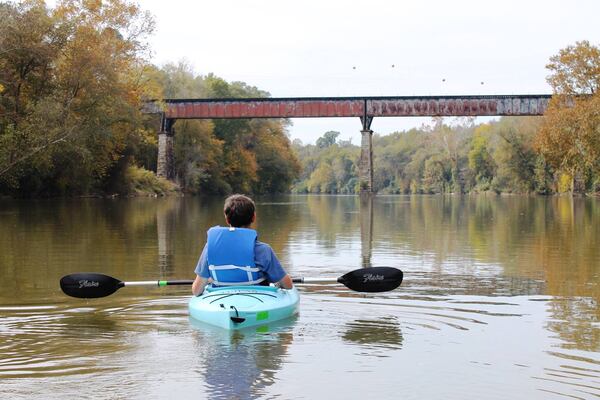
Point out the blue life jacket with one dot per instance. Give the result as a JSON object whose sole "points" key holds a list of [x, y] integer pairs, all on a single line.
{"points": [[231, 256]]}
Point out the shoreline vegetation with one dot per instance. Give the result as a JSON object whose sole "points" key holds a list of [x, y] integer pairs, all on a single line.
{"points": [[73, 78]]}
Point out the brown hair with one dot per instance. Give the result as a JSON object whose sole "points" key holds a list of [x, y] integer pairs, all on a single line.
{"points": [[239, 210]]}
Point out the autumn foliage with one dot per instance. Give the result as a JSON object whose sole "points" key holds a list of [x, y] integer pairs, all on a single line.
{"points": [[72, 82], [569, 138], [69, 109]]}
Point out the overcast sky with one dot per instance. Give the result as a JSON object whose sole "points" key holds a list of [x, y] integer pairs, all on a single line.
{"points": [[372, 48]]}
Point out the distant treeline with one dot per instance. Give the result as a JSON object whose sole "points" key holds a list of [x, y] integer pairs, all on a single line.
{"points": [[444, 158], [73, 79]]}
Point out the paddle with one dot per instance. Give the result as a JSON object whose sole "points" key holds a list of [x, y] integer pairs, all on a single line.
{"points": [[88, 285], [373, 279]]}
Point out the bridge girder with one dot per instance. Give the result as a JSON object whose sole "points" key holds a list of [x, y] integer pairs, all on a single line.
{"points": [[319, 107]]}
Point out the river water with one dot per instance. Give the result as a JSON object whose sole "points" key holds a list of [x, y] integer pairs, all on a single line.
{"points": [[500, 300]]}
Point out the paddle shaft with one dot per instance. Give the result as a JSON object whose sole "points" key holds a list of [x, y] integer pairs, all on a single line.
{"points": [[158, 283], [314, 280]]}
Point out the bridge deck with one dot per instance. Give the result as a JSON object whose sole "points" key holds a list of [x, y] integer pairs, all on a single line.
{"points": [[415, 106]]}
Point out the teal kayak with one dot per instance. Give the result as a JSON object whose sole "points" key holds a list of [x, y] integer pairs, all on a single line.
{"points": [[238, 307]]}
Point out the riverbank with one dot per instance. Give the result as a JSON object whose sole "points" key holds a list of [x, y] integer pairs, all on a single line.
{"points": [[135, 182], [139, 182]]}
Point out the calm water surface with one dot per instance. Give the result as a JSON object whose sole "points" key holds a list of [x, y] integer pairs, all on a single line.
{"points": [[500, 300]]}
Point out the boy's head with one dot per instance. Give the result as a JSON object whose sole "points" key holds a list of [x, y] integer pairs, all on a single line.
{"points": [[239, 210]]}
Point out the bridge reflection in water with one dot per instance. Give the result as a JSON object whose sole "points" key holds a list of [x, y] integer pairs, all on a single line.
{"points": [[366, 228]]}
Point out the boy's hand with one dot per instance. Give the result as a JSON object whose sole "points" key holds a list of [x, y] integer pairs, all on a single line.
{"points": [[286, 282]]}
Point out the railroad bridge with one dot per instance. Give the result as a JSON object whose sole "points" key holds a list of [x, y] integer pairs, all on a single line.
{"points": [[365, 108]]}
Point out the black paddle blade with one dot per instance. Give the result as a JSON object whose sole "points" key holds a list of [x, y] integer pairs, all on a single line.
{"points": [[89, 285], [375, 279]]}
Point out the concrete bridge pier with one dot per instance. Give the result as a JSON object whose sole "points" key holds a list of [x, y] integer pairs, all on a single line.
{"points": [[365, 165], [164, 165]]}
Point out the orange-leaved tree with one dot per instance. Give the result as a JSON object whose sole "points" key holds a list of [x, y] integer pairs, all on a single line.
{"points": [[569, 138]]}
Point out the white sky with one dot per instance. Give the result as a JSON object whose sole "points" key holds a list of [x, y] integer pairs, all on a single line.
{"points": [[347, 48]]}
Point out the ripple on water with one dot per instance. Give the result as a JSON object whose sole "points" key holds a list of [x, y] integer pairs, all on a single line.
{"points": [[42, 341], [425, 312], [580, 381], [479, 333], [53, 345]]}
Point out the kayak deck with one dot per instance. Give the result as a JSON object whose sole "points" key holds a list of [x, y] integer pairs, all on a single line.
{"points": [[238, 307]]}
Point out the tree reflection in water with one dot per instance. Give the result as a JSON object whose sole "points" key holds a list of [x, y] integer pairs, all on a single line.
{"points": [[378, 336]]}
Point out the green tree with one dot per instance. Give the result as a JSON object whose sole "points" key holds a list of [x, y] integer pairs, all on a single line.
{"points": [[542, 176], [452, 142], [197, 153], [480, 161], [434, 176], [328, 139], [277, 164], [327, 169], [514, 154]]}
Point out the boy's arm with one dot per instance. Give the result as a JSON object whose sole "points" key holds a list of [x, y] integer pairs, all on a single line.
{"points": [[198, 285], [270, 265], [201, 270]]}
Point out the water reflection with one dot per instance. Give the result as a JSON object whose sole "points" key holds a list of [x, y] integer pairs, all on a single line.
{"points": [[366, 228], [575, 321], [165, 225], [241, 364], [377, 337]]}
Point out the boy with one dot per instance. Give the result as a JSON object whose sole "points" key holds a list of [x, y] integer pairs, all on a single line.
{"points": [[234, 256]]}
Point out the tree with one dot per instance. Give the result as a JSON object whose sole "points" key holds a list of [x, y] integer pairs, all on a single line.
{"points": [[277, 165], [452, 141], [433, 176], [575, 70], [569, 138], [322, 180], [514, 154], [328, 139], [328, 169], [480, 161], [71, 105], [222, 156], [197, 157]]}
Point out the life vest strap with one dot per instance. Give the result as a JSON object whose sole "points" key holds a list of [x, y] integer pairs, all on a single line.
{"points": [[249, 270], [230, 266]]}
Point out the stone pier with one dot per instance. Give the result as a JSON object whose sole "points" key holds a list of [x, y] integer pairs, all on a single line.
{"points": [[365, 166], [164, 164]]}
